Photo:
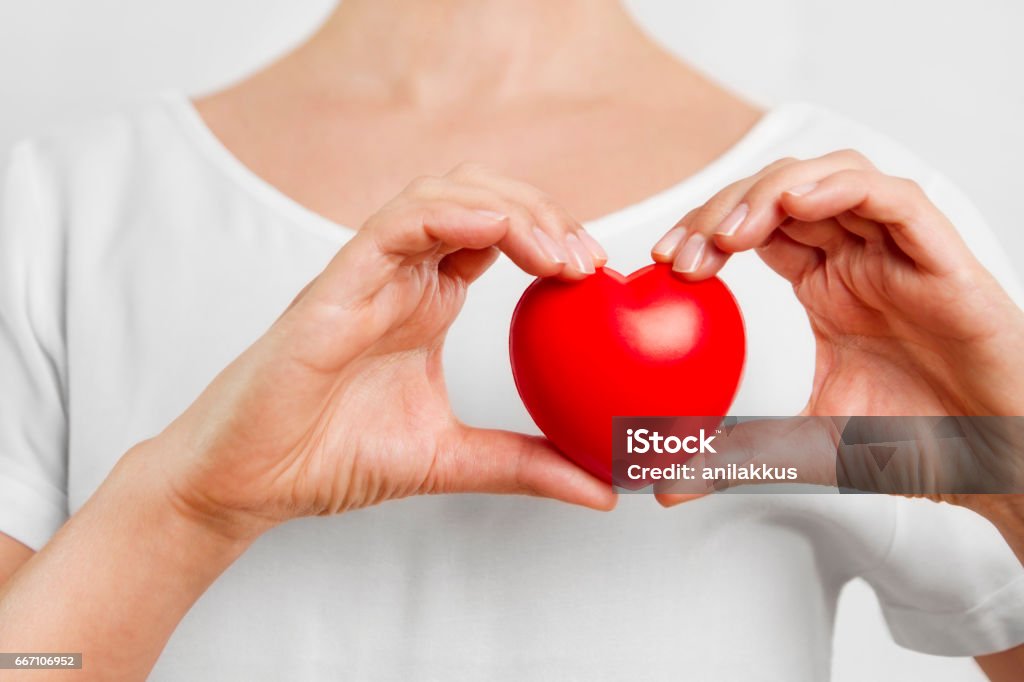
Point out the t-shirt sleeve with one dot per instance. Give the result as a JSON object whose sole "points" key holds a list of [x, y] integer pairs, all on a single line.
{"points": [[33, 423], [949, 584]]}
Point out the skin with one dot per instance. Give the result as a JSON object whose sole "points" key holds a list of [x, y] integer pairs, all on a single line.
{"points": [[341, 125], [365, 336], [895, 299], [529, 89], [906, 320]]}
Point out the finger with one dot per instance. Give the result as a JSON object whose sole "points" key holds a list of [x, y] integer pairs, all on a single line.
{"points": [[407, 233], [710, 213], [805, 444], [692, 250], [725, 211], [468, 264], [502, 462], [868, 230], [698, 258], [827, 235], [664, 251], [597, 251], [585, 254], [760, 211], [537, 246], [362, 268], [897, 205], [434, 217], [790, 259], [692, 256]]}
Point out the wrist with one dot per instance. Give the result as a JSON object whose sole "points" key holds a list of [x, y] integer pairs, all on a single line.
{"points": [[131, 560], [157, 467]]}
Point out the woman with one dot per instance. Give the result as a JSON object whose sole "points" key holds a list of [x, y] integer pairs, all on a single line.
{"points": [[144, 254]]}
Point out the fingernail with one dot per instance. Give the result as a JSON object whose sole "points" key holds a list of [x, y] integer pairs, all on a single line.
{"points": [[733, 221], [666, 246], [801, 190], [691, 255], [582, 259], [491, 215], [550, 247], [592, 245]]}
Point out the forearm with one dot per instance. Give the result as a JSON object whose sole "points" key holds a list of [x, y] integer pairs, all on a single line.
{"points": [[116, 580]]}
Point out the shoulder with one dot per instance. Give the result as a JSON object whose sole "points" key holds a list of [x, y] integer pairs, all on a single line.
{"points": [[99, 180], [68, 194], [98, 152]]}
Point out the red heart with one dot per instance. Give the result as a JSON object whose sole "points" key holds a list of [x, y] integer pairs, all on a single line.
{"points": [[645, 345]]}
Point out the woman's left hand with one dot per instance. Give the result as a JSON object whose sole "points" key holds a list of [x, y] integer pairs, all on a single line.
{"points": [[905, 319]]}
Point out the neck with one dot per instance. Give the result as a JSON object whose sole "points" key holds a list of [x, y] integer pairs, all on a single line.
{"points": [[445, 51]]}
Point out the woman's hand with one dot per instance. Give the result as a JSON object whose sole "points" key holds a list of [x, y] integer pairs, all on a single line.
{"points": [[342, 403], [906, 320]]}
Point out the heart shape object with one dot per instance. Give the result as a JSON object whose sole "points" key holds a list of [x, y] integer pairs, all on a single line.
{"points": [[649, 344]]}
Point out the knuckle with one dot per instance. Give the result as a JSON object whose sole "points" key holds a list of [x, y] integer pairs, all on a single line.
{"points": [[711, 214], [910, 186], [547, 210], [918, 204], [853, 176], [777, 164], [853, 157], [519, 217], [768, 189], [469, 170], [525, 463], [687, 220], [522, 218], [423, 186]]}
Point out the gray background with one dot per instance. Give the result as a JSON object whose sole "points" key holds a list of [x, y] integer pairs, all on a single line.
{"points": [[942, 76]]}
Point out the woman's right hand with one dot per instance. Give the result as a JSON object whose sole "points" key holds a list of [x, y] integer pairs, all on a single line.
{"points": [[342, 403]]}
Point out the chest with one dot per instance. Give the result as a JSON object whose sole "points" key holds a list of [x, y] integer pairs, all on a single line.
{"points": [[179, 293], [590, 158], [153, 319]]}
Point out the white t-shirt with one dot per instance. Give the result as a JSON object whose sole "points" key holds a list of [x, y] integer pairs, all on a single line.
{"points": [[138, 257]]}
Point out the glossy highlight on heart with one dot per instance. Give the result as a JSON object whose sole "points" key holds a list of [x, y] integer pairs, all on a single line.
{"points": [[649, 344]]}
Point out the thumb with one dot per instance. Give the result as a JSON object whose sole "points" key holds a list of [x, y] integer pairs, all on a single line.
{"points": [[503, 462]]}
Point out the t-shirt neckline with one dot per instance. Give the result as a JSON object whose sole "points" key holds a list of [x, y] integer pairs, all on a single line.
{"points": [[181, 106]]}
